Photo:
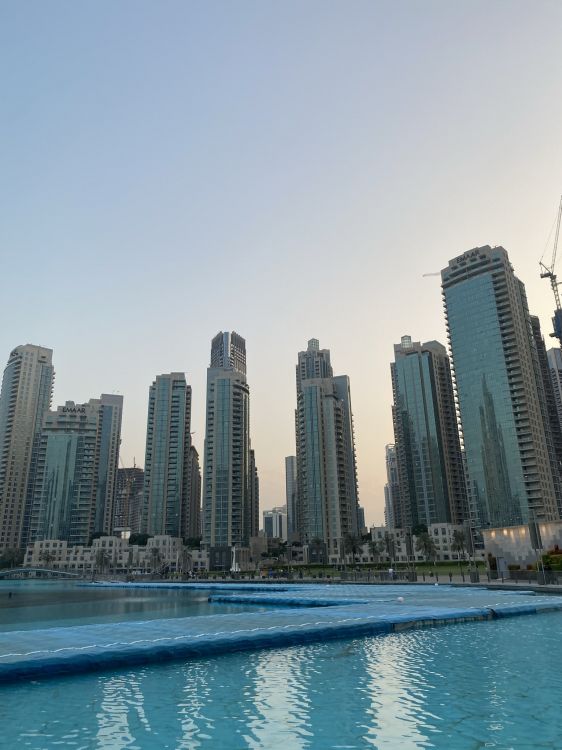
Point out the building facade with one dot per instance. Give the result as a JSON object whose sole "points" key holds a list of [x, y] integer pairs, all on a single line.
{"points": [[26, 394], [191, 522], [554, 357], [291, 493], [426, 440], [392, 515], [166, 465], [326, 464], [129, 499], [76, 476], [510, 476], [275, 523], [229, 501]]}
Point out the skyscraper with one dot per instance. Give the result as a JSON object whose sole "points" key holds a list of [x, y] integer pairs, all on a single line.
{"points": [[191, 520], [426, 441], [166, 466], [25, 397], [510, 477], [326, 465], [75, 483], [547, 400], [554, 357], [254, 496], [291, 492], [129, 499], [228, 507], [392, 510]]}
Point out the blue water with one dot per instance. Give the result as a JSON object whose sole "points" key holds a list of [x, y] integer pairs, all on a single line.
{"points": [[462, 687], [43, 604]]}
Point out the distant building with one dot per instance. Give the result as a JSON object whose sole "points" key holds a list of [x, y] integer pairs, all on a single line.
{"points": [[191, 519], [275, 523], [326, 464], [392, 510], [129, 499], [361, 519], [25, 397], [254, 496], [76, 478], [426, 440], [510, 476], [229, 475], [291, 492], [555, 365], [166, 465]]}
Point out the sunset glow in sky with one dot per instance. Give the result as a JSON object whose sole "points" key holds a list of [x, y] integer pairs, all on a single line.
{"points": [[286, 170]]}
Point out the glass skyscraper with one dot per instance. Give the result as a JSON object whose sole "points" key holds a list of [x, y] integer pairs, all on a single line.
{"points": [[495, 365], [167, 458], [230, 500], [427, 446], [25, 397]]}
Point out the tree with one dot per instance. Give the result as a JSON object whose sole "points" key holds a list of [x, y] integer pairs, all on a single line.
{"points": [[139, 539], [376, 548], [389, 546], [155, 558], [459, 542], [352, 545], [46, 557], [193, 542], [102, 560], [419, 528], [426, 545], [11, 558]]}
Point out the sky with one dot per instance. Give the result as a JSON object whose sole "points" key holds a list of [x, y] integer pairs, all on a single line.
{"points": [[287, 170]]}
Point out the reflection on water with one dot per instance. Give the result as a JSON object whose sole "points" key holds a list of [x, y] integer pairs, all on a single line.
{"points": [[26, 605], [462, 687]]}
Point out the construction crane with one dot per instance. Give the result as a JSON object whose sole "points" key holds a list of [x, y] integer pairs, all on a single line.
{"points": [[547, 272]]}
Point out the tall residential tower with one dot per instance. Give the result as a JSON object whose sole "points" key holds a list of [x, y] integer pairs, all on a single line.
{"points": [[76, 479], [166, 465], [230, 502], [326, 465], [25, 397], [496, 370], [426, 440]]}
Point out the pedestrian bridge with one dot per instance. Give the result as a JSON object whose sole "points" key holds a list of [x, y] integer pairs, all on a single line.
{"points": [[37, 573]]}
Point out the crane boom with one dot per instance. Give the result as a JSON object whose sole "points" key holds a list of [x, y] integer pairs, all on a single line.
{"points": [[548, 271]]}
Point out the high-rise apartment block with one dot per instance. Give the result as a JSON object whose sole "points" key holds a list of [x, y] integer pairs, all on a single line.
{"points": [[326, 465], [392, 509], [291, 492], [25, 397], [129, 499], [76, 478], [427, 446], [495, 363], [554, 357], [191, 524], [230, 502], [275, 523], [167, 459]]}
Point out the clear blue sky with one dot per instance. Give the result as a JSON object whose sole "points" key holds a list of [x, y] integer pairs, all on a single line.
{"points": [[288, 170]]}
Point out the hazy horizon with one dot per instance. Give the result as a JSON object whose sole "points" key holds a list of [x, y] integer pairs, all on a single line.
{"points": [[285, 170]]}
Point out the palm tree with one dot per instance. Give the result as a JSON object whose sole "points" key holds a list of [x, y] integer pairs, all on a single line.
{"points": [[376, 548], [102, 560], [389, 546], [46, 557], [426, 545], [155, 558], [459, 543], [352, 545]]}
